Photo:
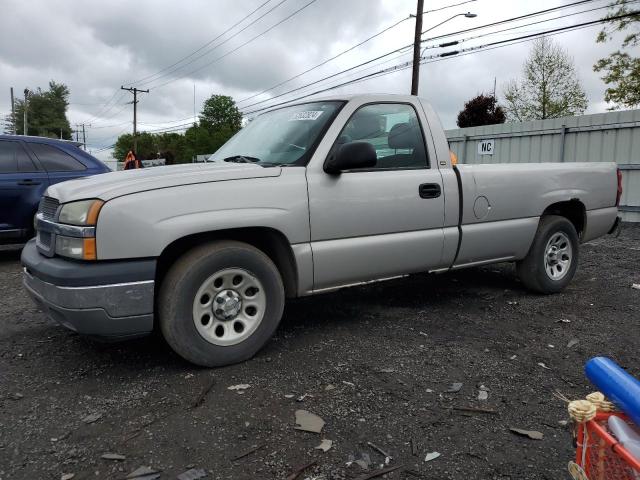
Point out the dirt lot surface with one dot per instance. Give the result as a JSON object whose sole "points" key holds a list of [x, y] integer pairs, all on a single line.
{"points": [[374, 362]]}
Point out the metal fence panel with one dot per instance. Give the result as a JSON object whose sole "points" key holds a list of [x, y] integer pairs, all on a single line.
{"points": [[611, 136]]}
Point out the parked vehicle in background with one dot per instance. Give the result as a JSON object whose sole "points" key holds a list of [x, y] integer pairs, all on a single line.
{"points": [[28, 166], [305, 199]]}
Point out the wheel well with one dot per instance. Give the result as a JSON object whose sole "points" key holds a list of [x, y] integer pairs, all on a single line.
{"points": [[572, 210], [270, 241]]}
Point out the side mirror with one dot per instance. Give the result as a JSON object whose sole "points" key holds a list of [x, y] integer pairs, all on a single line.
{"points": [[351, 156]]}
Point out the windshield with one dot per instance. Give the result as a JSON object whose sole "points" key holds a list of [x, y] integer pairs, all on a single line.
{"points": [[282, 137]]}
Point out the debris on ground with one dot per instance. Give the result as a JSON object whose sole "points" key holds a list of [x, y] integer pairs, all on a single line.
{"points": [[364, 462], [532, 434], [431, 456], [543, 365], [329, 387], [573, 342], [240, 388], [378, 473], [351, 384], [112, 456], [144, 473], [289, 395], [93, 417], [563, 320], [387, 457], [325, 445], [298, 471], [308, 422], [67, 476], [476, 410], [636, 286], [483, 393], [513, 357], [302, 397], [248, 452], [192, 474], [454, 388]]}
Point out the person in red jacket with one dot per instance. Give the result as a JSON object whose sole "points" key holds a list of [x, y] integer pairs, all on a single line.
{"points": [[131, 161]]}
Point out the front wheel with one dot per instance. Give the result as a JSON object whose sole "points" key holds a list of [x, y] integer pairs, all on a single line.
{"points": [[553, 257], [220, 303]]}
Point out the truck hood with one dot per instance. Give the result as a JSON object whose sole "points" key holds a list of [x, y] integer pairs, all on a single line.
{"points": [[116, 184]]}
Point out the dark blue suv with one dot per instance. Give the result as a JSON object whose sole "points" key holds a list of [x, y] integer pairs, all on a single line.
{"points": [[28, 165]]}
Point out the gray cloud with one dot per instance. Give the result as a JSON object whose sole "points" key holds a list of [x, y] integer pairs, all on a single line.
{"points": [[94, 47]]}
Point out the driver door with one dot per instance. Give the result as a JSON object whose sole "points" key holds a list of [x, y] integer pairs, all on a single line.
{"points": [[378, 222]]}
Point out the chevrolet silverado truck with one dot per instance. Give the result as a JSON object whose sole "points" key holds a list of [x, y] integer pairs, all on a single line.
{"points": [[305, 199]]}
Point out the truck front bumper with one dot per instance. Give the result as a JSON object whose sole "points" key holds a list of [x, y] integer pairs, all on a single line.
{"points": [[113, 300]]}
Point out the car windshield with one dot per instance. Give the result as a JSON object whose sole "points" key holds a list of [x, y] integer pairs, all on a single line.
{"points": [[282, 137]]}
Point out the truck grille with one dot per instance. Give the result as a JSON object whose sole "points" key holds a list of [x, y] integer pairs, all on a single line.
{"points": [[48, 207]]}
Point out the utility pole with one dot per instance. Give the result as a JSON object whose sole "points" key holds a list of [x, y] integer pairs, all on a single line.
{"points": [[13, 112], [415, 77], [24, 123], [135, 92], [84, 135]]}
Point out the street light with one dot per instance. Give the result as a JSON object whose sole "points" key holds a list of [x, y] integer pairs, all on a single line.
{"points": [[465, 15], [416, 47]]}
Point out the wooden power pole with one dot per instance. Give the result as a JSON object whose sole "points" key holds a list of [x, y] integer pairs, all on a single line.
{"points": [[84, 134], [135, 92], [415, 77], [13, 112]]}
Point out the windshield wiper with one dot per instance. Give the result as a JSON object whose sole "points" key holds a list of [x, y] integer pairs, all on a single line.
{"points": [[241, 159]]}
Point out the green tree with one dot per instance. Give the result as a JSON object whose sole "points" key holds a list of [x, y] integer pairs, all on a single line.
{"points": [[46, 112], [8, 124], [481, 110], [220, 119], [549, 88], [621, 70], [220, 111]]}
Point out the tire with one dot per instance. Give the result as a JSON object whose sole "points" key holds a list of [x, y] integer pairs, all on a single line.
{"points": [[553, 257], [209, 320]]}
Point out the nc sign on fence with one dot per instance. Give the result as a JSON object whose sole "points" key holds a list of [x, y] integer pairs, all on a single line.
{"points": [[485, 147]]}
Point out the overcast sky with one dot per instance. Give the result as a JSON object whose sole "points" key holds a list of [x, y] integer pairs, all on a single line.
{"points": [[96, 46]]}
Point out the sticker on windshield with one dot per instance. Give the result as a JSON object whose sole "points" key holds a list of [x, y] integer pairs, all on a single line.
{"points": [[306, 115]]}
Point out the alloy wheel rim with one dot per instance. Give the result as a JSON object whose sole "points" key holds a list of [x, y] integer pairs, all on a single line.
{"points": [[229, 306], [558, 255]]}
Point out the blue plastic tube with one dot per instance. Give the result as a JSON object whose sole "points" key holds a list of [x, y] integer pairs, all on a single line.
{"points": [[616, 384]]}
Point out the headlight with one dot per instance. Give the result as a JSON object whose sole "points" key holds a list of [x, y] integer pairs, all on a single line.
{"points": [[84, 212], [76, 247], [80, 215]]}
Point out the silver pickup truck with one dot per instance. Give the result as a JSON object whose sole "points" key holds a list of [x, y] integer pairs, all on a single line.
{"points": [[304, 199]]}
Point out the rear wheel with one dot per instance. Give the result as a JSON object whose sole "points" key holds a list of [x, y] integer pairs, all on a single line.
{"points": [[553, 257], [220, 303]]}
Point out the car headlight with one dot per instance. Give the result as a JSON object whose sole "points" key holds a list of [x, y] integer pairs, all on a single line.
{"points": [[83, 212], [76, 247]]}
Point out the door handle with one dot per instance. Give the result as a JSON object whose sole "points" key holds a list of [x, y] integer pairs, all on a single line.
{"points": [[28, 182], [429, 190]]}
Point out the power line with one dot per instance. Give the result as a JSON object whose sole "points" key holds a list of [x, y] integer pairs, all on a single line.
{"points": [[102, 111], [448, 6], [513, 19], [447, 55], [395, 51], [237, 48], [457, 42], [348, 50], [204, 54], [324, 62], [143, 79]]}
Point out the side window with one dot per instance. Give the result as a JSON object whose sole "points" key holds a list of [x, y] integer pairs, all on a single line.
{"points": [[8, 162], [54, 159], [25, 164], [393, 130]]}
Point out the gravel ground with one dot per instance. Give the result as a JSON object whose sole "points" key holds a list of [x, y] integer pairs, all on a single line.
{"points": [[374, 362]]}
